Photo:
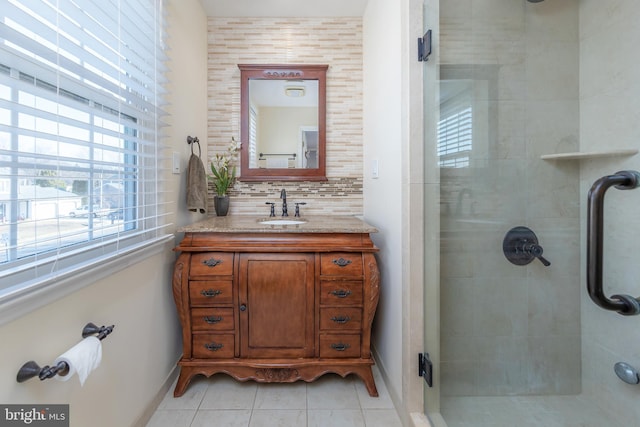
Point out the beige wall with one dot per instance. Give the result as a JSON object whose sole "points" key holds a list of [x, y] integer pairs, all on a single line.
{"points": [[384, 142], [137, 357], [394, 129], [336, 42], [609, 107], [279, 128], [187, 78], [141, 353]]}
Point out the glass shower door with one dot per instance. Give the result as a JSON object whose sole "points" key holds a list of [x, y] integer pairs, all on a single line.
{"points": [[509, 338]]}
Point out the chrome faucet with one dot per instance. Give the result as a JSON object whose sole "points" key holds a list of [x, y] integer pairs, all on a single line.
{"points": [[283, 196]]}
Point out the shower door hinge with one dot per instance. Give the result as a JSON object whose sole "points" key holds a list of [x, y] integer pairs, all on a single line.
{"points": [[425, 368], [424, 46]]}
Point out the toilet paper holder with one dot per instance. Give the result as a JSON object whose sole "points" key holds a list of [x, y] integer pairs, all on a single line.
{"points": [[31, 368]]}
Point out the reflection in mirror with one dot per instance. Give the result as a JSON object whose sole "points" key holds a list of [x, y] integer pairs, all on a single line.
{"points": [[283, 122], [284, 114]]}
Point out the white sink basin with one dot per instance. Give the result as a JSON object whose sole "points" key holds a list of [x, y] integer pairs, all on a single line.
{"points": [[282, 221]]}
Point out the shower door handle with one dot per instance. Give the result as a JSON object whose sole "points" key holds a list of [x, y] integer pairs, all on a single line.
{"points": [[623, 304]]}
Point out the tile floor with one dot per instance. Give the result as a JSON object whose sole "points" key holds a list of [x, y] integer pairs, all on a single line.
{"points": [[330, 401], [524, 411]]}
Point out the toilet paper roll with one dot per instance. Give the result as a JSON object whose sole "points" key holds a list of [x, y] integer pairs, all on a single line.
{"points": [[82, 359]]}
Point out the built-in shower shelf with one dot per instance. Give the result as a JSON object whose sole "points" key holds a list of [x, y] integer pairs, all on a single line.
{"points": [[589, 155]]}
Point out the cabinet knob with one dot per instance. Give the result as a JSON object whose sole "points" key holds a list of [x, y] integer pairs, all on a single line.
{"points": [[213, 346], [340, 346], [341, 262], [210, 293], [213, 319], [243, 307], [212, 262], [341, 319], [341, 293]]}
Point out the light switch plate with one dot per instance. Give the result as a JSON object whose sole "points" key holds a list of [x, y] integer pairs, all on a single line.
{"points": [[176, 162], [374, 169]]}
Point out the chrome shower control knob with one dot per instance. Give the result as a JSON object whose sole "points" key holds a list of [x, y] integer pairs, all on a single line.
{"points": [[627, 373]]}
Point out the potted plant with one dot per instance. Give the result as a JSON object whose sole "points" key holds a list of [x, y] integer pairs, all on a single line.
{"points": [[223, 168]]}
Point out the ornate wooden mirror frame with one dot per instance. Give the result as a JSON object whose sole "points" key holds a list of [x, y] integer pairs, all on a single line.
{"points": [[289, 73]]}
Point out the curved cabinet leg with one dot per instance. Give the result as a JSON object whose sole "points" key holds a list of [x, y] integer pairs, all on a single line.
{"points": [[186, 375], [366, 374]]}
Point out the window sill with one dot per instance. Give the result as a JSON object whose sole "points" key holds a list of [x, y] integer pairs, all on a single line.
{"points": [[21, 302]]}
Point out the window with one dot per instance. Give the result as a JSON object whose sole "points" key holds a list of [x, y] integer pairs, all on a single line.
{"points": [[253, 126], [80, 122], [455, 138], [455, 127]]}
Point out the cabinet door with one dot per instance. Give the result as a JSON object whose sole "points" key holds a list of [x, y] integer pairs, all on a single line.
{"points": [[276, 305]]}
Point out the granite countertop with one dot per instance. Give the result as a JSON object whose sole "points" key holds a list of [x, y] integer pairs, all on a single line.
{"points": [[251, 224]]}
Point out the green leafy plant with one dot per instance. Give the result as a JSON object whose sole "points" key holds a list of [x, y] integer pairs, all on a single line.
{"points": [[224, 169]]}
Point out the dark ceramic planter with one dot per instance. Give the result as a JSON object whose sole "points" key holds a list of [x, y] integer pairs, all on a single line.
{"points": [[221, 204]]}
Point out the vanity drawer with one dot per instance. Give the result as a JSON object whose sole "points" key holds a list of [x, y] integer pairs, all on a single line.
{"points": [[340, 318], [341, 292], [212, 319], [211, 263], [213, 346], [210, 292], [336, 345], [341, 264]]}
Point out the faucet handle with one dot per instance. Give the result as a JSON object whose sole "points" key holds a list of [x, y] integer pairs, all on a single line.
{"points": [[273, 209], [536, 251], [298, 208]]}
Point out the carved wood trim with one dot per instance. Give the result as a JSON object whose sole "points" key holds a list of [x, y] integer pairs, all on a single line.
{"points": [[277, 374], [299, 74], [305, 371], [372, 303], [177, 281], [181, 298], [371, 297]]}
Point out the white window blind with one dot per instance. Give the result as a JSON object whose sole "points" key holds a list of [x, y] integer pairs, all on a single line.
{"points": [[253, 138], [81, 98], [455, 136]]}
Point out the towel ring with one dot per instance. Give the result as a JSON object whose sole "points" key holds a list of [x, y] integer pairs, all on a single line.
{"points": [[194, 140]]}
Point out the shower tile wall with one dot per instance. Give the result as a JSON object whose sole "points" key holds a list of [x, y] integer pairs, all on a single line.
{"points": [[333, 41], [609, 119], [510, 329]]}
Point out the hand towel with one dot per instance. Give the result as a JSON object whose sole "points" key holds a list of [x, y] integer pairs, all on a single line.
{"points": [[277, 163], [196, 185]]}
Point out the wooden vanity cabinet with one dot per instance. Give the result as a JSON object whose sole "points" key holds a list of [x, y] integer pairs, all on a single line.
{"points": [[276, 307]]}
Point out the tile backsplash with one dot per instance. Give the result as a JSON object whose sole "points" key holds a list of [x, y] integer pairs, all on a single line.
{"points": [[336, 42]]}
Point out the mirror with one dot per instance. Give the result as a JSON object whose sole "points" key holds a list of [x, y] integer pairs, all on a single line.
{"points": [[283, 119]]}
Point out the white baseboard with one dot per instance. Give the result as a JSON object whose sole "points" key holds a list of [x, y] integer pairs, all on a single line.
{"points": [[143, 420], [418, 419]]}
